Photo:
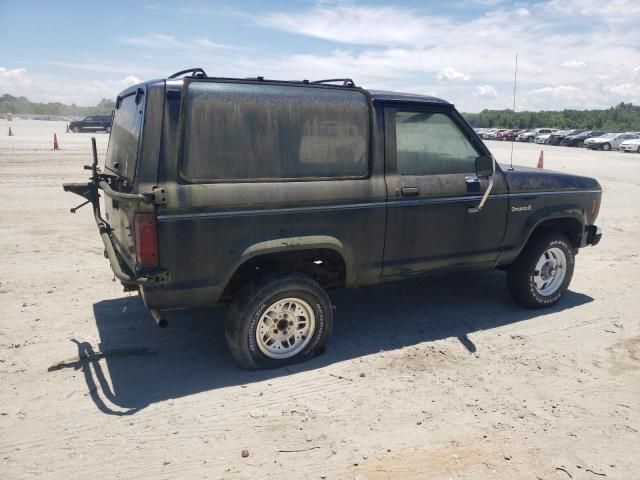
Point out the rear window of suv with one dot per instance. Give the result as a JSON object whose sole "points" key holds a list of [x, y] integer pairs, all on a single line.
{"points": [[122, 152], [245, 132]]}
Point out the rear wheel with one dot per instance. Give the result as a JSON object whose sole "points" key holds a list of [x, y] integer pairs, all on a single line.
{"points": [[278, 320], [541, 274], [75, 129], [531, 139], [606, 147]]}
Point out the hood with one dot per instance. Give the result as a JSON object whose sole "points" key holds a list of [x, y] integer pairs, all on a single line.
{"points": [[526, 179]]}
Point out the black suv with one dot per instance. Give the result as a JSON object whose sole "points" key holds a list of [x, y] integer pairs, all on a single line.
{"points": [[265, 194], [92, 123], [557, 137], [577, 140]]}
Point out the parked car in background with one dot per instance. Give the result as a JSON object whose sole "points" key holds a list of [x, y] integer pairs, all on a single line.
{"points": [[488, 135], [578, 140], [557, 137], [609, 141], [632, 145], [542, 139], [530, 135], [92, 123], [508, 134]]}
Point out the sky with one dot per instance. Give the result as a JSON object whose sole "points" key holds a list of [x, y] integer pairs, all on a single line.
{"points": [[571, 53]]}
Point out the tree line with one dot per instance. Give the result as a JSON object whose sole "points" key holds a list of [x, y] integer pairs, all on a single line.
{"points": [[11, 104], [622, 117]]}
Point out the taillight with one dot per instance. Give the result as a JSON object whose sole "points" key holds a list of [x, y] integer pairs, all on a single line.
{"points": [[146, 239]]}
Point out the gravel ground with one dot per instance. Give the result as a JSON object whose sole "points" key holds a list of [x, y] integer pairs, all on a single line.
{"points": [[433, 378]]}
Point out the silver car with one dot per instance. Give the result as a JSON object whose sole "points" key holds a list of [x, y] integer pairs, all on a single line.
{"points": [[630, 145], [608, 140]]}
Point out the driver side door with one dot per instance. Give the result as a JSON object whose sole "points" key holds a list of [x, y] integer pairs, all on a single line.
{"points": [[432, 187]]}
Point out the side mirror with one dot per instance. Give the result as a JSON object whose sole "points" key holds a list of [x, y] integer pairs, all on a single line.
{"points": [[484, 166]]}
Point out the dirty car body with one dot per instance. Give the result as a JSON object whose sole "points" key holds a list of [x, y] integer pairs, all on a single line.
{"points": [[215, 190]]}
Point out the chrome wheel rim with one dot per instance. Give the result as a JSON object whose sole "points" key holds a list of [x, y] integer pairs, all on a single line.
{"points": [[550, 271], [285, 328]]}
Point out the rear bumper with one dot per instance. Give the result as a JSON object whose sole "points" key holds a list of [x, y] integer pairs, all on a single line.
{"points": [[593, 234]]}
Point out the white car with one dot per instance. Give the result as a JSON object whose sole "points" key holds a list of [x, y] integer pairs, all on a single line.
{"points": [[630, 145], [543, 138], [530, 135], [608, 140]]}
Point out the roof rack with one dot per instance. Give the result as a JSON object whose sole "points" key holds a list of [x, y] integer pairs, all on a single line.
{"points": [[195, 72], [346, 82], [198, 72]]}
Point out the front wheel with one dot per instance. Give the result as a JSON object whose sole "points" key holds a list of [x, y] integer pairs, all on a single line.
{"points": [[531, 139], [606, 147], [541, 274], [278, 320]]}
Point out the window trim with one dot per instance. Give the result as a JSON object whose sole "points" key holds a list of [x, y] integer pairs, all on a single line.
{"points": [[391, 151], [185, 179]]}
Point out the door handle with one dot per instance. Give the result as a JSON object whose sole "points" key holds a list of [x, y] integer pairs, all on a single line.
{"points": [[410, 191]]}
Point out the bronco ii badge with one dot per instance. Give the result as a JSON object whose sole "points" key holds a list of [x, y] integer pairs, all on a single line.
{"points": [[521, 209]]}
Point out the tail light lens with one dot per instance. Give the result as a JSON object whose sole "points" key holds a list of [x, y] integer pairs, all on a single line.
{"points": [[146, 233]]}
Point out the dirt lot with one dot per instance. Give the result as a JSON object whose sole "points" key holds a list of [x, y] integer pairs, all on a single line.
{"points": [[435, 378]]}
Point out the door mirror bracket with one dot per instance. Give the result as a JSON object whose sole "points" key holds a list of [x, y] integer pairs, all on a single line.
{"points": [[485, 168]]}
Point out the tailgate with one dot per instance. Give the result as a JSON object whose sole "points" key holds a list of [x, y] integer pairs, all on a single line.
{"points": [[121, 160]]}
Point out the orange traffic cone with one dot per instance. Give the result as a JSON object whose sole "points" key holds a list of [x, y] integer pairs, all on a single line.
{"points": [[541, 159], [10, 132], [55, 142]]}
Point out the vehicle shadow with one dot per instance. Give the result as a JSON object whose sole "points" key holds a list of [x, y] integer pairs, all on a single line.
{"points": [[147, 364]]}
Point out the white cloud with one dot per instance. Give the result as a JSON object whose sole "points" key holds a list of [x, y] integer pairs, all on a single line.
{"points": [[628, 90], [587, 62], [130, 80], [449, 74], [44, 88], [160, 40], [390, 46], [486, 91], [574, 64], [13, 79]]}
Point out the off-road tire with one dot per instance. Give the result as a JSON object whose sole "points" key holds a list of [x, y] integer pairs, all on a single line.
{"points": [[249, 305], [520, 275]]}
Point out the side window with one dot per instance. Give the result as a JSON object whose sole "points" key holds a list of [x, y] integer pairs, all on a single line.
{"points": [[431, 144], [266, 132]]}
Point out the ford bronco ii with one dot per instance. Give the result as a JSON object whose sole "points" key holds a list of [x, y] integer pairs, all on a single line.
{"points": [[265, 194]]}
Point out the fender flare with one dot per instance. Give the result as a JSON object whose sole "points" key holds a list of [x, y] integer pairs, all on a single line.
{"points": [[291, 244]]}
